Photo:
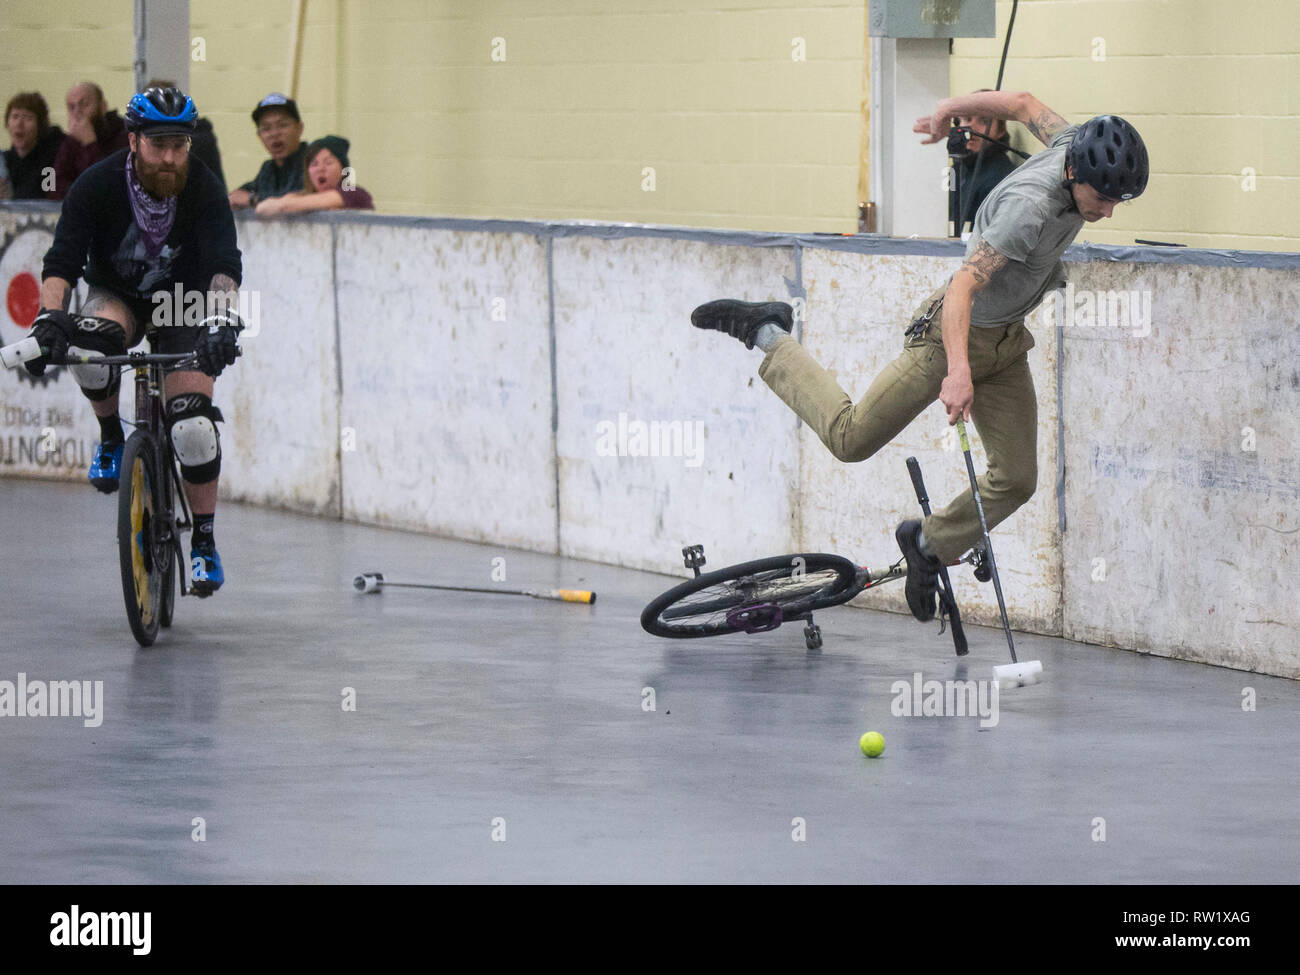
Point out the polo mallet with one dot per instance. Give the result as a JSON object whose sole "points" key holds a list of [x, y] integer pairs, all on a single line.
{"points": [[1014, 674], [946, 596], [374, 582]]}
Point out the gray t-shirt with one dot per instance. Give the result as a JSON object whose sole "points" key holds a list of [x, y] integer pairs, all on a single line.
{"points": [[1030, 218]]}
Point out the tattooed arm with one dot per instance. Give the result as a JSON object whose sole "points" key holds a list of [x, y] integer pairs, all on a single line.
{"points": [[1045, 124], [958, 392], [1013, 106], [223, 294]]}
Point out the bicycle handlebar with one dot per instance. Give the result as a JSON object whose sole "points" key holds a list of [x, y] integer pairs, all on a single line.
{"points": [[16, 354]]}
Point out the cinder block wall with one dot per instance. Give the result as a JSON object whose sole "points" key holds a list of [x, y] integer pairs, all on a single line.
{"points": [[1213, 87], [582, 97], [707, 93]]}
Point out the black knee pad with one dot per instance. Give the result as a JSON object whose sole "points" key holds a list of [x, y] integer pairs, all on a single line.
{"points": [[98, 336], [192, 423]]}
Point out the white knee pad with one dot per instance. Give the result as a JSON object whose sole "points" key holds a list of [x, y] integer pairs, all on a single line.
{"points": [[190, 418], [93, 379], [97, 336]]}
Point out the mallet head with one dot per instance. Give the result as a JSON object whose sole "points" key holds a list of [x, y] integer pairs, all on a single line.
{"points": [[1018, 675], [368, 582]]}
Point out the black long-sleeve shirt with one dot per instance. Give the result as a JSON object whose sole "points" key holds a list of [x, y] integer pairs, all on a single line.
{"points": [[277, 179], [97, 236], [27, 173]]}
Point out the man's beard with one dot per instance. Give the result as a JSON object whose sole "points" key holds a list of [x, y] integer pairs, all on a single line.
{"points": [[155, 182]]}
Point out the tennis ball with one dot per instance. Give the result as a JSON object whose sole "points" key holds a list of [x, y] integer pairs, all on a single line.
{"points": [[872, 744]]}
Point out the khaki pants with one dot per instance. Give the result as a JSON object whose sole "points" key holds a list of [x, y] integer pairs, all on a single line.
{"points": [[1005, 412]]}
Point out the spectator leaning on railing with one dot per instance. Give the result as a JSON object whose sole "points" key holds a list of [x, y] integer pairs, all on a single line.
{"points": [[280, 128], [94, 134], [34, 144], [329, 183]]}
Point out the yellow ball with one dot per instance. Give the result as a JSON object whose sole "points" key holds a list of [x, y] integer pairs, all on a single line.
{"points": [[872, 744]]}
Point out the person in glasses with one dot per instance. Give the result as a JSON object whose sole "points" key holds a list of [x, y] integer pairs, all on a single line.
{"points": [[150, 229], [280, 128]]}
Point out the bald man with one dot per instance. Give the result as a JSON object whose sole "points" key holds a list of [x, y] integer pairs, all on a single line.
{"points": [[94, 133]]}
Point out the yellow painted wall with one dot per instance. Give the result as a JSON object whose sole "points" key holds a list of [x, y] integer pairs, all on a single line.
{"points": [[1212, 85], [706, 92], [51, 46], [591, 93]]}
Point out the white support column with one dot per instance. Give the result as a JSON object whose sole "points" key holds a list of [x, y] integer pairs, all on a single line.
{"points": [[162, 42], [908, 77]]}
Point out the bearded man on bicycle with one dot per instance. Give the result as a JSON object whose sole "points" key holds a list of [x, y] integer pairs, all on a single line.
{"points": [[150, 220], [976, 362]]}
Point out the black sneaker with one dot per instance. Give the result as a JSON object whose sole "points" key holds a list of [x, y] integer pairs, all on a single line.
{"points": [[922, 572], [741, 319]]}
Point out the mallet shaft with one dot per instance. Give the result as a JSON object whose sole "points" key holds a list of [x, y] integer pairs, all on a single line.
{"points": [[988, 543]]}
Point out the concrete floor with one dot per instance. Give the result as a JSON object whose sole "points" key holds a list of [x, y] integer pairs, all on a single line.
{"points": [[471, 708]]}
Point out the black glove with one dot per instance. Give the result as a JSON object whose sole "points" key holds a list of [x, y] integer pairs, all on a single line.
{"points": [[53, 330], [217, 345]]}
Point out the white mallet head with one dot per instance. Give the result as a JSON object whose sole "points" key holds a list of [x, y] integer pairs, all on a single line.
{"points": [[1018, 675], [368, 582]]}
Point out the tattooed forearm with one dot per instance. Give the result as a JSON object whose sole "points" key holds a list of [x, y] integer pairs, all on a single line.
{"points": [[56, 293], [223, 295], [1045, 124], [983, 264], [223, 283]]}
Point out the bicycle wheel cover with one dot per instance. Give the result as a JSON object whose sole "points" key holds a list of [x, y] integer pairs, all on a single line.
{"points": [[796, 583], [136, 509]]}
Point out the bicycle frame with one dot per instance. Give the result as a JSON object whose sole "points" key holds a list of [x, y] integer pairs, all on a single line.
{"points": [[149, 415]]}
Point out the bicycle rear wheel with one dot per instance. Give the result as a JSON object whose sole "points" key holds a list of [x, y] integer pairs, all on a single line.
{"points": [[752, 596], [138, 514]]}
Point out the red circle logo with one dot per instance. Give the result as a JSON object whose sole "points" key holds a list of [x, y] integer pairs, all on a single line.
{"points": [[23, 298]]}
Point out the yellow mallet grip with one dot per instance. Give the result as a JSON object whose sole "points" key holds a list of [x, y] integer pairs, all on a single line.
{"points": [[574, 595]]}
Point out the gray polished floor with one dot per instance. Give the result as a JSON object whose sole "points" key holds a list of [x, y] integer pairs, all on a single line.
{"points": [[505, 739]]}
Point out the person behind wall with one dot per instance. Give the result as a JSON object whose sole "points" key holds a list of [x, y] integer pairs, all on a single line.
{"points": [[94, 133], [34, 143], [280, 128], [328, 183], [982, 165]]}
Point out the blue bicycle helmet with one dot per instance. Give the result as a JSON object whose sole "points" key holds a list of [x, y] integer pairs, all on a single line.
{"points": [[161, 111]]}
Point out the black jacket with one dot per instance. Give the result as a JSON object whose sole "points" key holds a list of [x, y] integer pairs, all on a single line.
{"points": [[27, 173], [993, 165], [278, 179], [205, 147], [97, 236]]}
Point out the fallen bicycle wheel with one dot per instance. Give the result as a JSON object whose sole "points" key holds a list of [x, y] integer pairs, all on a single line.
{"points": [[753, 596]]}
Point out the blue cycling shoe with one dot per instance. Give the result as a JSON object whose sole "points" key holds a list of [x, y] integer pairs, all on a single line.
{"points": [[206, 576], [106, 468]]}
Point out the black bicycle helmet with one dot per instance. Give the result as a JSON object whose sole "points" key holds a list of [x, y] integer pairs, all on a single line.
{"points": [[161, 111], [1108, 154]]}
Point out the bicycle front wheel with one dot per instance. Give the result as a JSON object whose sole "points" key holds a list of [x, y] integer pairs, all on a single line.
{"points": [[168, 546], [138, 514], [752, 596]]}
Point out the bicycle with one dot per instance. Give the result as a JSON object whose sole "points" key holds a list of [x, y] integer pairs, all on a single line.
{"points": [[152, 510], [757, 596]]}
